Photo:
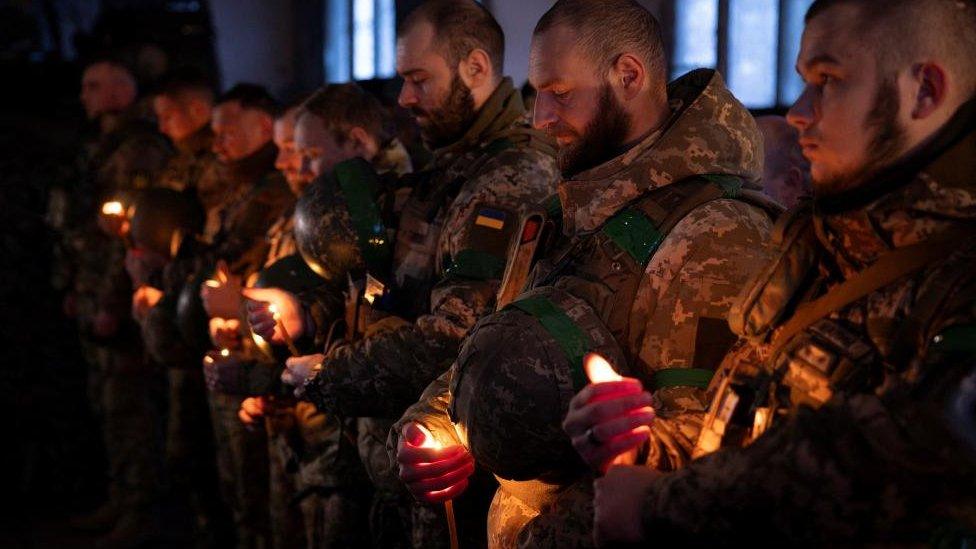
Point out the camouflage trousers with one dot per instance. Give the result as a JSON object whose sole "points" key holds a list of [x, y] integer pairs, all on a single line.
{"points": [[123, 393], [429, 522], [190, 454], [536, 514], [242, 468], [307, 508]]}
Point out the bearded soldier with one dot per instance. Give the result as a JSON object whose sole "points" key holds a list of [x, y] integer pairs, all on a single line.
{"points": [[453, 237], [655, 229], [854, 390]]}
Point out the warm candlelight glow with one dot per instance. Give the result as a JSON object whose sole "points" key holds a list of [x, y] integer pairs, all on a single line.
{"points": [[599, 370], [273, 309], [212, 284], [208, 360], [224, 352], [112, 208], [429, 440]]}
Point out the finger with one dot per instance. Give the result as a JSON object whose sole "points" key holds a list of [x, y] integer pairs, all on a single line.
{"points": [[599, 456], [412, 435], [445, 495], [416, 471], [593, 391], [624, 424], [444, 481], [412, 455], [594, 413], [244, 417]]}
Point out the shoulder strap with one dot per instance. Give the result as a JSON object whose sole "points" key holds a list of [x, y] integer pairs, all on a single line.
{"points": [[887, 269]]}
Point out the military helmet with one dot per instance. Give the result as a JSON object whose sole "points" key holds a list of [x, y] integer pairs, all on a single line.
{"points": [[192, 320], [161, 218], [517, 372], [290, 273], [338, 228]]}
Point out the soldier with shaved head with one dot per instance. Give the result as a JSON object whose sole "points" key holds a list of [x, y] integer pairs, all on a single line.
{"points": [[845, 416]]}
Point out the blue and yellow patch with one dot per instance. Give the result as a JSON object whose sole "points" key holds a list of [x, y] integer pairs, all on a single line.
{"points": [[493, 219]]}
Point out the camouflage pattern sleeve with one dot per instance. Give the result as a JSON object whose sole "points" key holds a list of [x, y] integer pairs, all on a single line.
{"points": [[688, 287], [162, 337], [383, 374], [245, 242], [864, 467], [431, 412]]}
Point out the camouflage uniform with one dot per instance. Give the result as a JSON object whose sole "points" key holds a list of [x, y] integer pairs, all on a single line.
{"points": [[121, 383], [862, 450], [657, 241], [256, 196], [190, 454], [455, 231], [194, 168], [314, 466]]}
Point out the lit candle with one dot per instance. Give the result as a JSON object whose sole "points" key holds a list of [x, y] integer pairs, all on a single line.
{"points": [[284, 332], [430, 442], [113, 208], [224, 352], [599, 370], [212, 283]]}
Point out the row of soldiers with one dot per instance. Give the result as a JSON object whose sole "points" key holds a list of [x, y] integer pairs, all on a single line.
{"points": [[579, 325]]}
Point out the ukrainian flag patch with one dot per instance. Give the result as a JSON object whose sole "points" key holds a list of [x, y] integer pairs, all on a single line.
{"points": [[493, 219]]}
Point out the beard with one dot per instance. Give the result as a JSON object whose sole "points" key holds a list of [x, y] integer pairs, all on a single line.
{"points": [[602, 138], [447, 123], [885, 146]]}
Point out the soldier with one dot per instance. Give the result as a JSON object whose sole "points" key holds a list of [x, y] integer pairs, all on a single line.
{"points": [[855, 386], [128, 155], [337, 123], [656, 228], [452, 242], [256, 196], [183, 104], [786, 174]]}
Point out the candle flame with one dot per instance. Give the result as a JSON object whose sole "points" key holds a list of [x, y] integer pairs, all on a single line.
{"points": [[112, 208], [429, 440], [212, 283], [224, 352], [273, 309], [599, 370], [208, 360]]}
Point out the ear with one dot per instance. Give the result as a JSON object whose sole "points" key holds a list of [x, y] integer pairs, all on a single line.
{"points": [[932, 83], [628, 75], [475, 70], [362, 143]]}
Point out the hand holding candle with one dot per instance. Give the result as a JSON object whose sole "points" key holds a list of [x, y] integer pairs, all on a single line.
{"points": [[113, 220], [432, 473], [221, 295], [610, 418], [273, 314]]}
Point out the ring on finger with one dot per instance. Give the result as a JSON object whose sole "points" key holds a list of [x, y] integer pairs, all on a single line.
{"points": [[592, 438]]}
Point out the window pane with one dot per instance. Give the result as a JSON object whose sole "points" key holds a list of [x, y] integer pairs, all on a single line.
{"points": [[336, 54], [363, 40], [386, 38], [790, 83], [753, 39], [696, 35]]}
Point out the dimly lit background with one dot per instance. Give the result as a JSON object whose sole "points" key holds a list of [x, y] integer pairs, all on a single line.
{"points": [[51, 455]]}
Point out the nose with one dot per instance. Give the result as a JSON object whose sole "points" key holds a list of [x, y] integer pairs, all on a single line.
{"points": [[408, 97], [544, 113], [804, 111]]}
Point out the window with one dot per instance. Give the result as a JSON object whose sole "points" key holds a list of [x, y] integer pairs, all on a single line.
{"points": [[753, 43], [360, 39]]}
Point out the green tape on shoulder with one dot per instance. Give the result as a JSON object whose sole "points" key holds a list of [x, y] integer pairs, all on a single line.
{"points": [[731, 185], [553, 207], [681, 377], [359, 185], [634, 233], [956, 339], [477, 265], [573, 342]]}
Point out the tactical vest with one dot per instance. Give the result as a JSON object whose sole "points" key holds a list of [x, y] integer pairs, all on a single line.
{"points": [[806, 366], [422, 221], [605, 267]]}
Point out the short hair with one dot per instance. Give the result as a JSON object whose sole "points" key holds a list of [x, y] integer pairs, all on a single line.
{"points": [[184, 83], [342, 107], [461, 26], [251, 96], [605, 29], [123, 72], [901, 30]]}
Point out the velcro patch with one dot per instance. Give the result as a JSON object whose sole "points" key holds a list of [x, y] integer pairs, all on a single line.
{"points": [[491, 218]]}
